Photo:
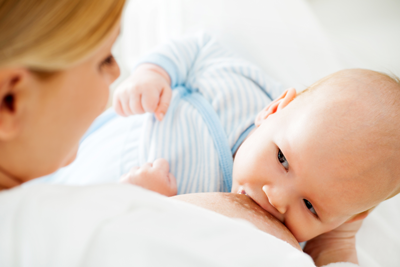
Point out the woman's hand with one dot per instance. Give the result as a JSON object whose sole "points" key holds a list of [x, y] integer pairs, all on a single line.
{"points": [[338, 245], [146, 90], [154, 177]]}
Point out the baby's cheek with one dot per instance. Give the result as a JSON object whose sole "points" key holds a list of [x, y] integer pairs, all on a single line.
{"points": [[302, 231], [241, 174]]}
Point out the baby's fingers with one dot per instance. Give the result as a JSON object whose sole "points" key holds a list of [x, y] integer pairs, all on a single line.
{"points": [[161, 164], [163, 105], [121, 102], [135, 103], [173, 185], [150, 100], [127, 177], [118, 106]]}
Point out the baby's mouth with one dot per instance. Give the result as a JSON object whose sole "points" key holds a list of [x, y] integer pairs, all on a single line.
{"points": [[263, 206], [242, 192]]}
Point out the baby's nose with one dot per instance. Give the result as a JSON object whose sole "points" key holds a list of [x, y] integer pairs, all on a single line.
{"points": [[282, 210], [275, 199]]}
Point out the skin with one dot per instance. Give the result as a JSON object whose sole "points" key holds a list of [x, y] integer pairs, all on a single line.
{"points": [[153, 176], [44, 111]]}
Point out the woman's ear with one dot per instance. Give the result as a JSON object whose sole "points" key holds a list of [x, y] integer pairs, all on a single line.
{"points": [[276, 105], [10, 86]]}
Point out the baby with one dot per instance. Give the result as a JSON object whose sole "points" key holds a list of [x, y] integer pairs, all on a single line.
{"points": [[314, 160]]}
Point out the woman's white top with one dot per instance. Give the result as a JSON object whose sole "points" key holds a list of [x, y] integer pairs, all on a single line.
{"points": [[124, 225]]}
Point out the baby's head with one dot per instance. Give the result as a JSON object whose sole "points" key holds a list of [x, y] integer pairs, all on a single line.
{"points": [[326, 156]]}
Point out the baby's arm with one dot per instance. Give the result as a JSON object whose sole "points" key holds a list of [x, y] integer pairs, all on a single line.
{"points": [[154, 177], [148, 89], [200, 64]]}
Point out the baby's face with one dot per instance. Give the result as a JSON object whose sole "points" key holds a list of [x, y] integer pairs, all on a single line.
{"points": [[308, 177]]}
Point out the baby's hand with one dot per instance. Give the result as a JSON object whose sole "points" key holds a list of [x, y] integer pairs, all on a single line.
{"points": [[154, 177], [146, 90]]}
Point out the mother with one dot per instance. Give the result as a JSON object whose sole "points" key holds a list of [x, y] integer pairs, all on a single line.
{"points": [[55, 70], [56, 67]]}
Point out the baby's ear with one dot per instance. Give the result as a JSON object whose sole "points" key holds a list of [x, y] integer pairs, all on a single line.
{"points": [[360, 216], [276, 105]]}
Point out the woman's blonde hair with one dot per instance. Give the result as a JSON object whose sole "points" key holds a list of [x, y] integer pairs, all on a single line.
{"points": [[51, 35]]}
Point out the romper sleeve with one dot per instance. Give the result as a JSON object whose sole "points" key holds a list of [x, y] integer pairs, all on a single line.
{"points": [[201, 64]]}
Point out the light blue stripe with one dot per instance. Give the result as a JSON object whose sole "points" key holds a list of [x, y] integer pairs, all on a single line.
{"points": [[195, 184], [188, 173], [247, 101], [216, 132], [193, 148], [226, 105], [182, 166], [242, 137], [262, 86]]}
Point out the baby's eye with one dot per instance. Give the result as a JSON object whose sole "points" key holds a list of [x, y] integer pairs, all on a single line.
{"points": [[283, 160], [310, 206]]}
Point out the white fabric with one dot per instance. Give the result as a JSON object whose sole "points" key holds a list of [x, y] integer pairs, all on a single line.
{"points": [[341, 264], [365, 34], [282, 37], [123, 225], [378, 241]]}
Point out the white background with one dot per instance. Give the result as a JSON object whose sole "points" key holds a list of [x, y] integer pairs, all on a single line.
{"points": [[317, 37]]}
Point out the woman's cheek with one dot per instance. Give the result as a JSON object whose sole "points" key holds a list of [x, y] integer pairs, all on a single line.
{"points": [[99, 95], [114, 73], [72, 155]]}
